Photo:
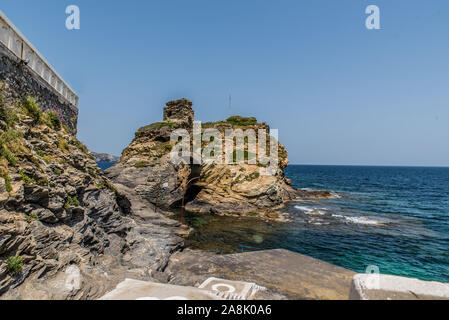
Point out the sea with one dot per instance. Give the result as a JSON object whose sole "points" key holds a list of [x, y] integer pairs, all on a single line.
{"points": [[104, 165], [394, 220]]}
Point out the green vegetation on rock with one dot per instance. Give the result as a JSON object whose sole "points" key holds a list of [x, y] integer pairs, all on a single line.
{"points": [[253, 176], [28, 180], [81, 146], [141, 164], [234, 121], [157, 125], [14, 264], [41, 153], [32, 216], [7, 183], [8, 115], [246, 156], [92, 172], [239, 121], [33, 109], [106, 184], [25, 178], [55, 122], [5, 153], [71, 202], [43, 182], [62, 144], [8, 144]]}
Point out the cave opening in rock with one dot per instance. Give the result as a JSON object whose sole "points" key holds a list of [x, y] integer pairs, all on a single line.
{"points": [[193, 189], [192, 192]]}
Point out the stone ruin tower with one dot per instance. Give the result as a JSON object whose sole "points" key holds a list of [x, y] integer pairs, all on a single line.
{"points": [[179, 112]]}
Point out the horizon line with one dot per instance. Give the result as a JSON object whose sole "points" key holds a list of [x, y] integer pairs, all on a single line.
{"points": [[369, 165]]}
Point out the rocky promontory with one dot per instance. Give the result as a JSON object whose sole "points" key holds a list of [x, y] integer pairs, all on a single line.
{"points": [[146, 170], [68, 231]]}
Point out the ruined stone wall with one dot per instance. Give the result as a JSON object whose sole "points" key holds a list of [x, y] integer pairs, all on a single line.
{"points": [[20, 80]]}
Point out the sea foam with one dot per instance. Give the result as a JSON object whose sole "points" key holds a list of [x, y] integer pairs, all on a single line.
{"points": [[363, 220], [310, 211]]}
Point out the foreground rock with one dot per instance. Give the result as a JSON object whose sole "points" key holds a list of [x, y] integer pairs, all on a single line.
{"points": [[285, 274], [145, 168], [65, 231], [211, 289]]}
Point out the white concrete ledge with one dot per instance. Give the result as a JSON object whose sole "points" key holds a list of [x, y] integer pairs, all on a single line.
{"points": [[387, 287], [131, 289]]}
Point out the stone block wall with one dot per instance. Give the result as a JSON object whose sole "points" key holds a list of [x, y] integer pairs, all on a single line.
{"points": [[20, 80]]}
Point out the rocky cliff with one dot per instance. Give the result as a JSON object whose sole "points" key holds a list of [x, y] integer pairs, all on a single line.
{"points": [[104, 157], [65, 231], [145, 170]]}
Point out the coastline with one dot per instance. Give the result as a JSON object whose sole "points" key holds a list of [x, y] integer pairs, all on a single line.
{"points": [[120, 220]]}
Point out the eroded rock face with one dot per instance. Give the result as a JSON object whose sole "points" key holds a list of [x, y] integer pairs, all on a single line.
{"points": [[243, 189], [240, 190], [235, 189], [145, 167], [65, 231]]}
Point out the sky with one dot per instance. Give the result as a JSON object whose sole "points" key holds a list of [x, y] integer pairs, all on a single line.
{"points": [[338, 93]]}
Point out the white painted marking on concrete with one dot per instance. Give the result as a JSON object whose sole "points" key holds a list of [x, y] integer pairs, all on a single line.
{"points": [[242, 290], [219, 285]]}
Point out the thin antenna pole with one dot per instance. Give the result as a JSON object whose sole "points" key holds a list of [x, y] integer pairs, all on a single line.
{"points": [[230, 104]]}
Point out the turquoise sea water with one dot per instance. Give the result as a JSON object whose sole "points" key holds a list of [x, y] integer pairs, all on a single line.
{"points": [[396, 218], [104, 165]]}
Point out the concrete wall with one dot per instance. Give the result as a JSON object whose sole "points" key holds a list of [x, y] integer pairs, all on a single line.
{"points": [[21, 80]]}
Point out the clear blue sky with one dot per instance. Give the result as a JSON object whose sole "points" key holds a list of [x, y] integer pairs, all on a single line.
{"points": [[337, 92]]}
